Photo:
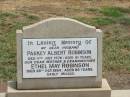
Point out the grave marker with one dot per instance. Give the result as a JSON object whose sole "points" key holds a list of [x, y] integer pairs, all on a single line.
{"points": [[59, 57], [79, 47]]}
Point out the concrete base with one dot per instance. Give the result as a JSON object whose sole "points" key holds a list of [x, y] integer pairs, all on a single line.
{"points": [[120, 93], [2, 94], [114, 93], [105, 91]]}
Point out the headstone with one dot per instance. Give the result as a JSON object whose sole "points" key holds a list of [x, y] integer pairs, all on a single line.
{"points": [[59, 57], [59, 53]]}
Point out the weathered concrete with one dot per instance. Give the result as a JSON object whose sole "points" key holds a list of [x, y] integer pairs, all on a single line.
{"points": [[114, 93], [2, 94], [59, 28], [104, 91], [120, 93]]}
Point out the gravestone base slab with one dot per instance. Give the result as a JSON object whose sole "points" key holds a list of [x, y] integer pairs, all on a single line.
{"points": [[104, 91]]}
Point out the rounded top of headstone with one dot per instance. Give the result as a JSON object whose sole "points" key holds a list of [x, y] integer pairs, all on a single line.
{"points": [[46, 21], [58, 26]]}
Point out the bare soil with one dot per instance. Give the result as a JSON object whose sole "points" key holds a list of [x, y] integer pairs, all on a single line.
{"points": [[51, 8], [118, 80], [3, 86]]}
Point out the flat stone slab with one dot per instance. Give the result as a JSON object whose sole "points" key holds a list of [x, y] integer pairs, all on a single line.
{"points": [[104, 91], [120, 93], [2, 94], [114, 93]]}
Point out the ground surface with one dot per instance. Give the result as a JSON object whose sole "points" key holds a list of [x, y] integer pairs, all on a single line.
{"points": [[112, 16]]}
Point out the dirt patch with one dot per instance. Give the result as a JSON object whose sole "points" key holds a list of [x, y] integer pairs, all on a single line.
{"points": [[18, 4], [118, 80], [3, 86]]}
